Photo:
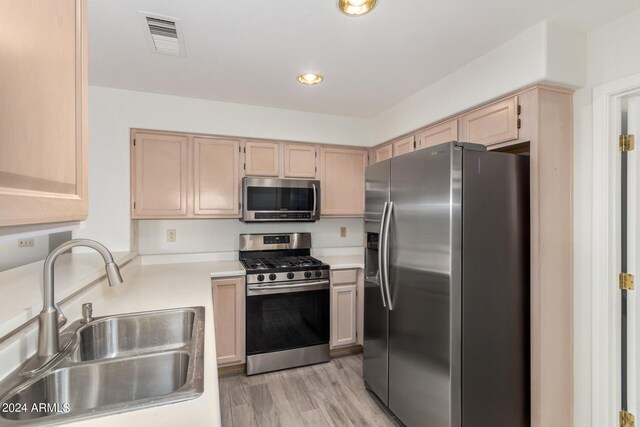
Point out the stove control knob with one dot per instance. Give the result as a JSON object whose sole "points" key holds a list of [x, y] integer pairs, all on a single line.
{"points": [[318, 273], [290, 276], [272, 276], [260, 277], [307, 274]]}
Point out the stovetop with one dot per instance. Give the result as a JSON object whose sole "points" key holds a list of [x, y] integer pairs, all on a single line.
{"points": [[281, 263]]}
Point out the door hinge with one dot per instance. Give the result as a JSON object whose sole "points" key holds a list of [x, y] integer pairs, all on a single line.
{"points": [[134, 142], [239, 149], [519, 123], [244, 166], [626, 419], [626, 143], [414, 144], [134, 205], [627, 282], [245, 150], [519, 109]]}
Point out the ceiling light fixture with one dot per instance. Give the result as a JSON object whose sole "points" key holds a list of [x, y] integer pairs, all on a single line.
{"points": [[310, 79], [356, 7]]}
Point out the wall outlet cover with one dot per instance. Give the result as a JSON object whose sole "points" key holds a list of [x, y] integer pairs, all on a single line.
{"points": [[171, 235], [25, 243]]}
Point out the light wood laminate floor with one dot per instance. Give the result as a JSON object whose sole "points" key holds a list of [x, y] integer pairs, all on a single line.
{"points": [[327, 394]]}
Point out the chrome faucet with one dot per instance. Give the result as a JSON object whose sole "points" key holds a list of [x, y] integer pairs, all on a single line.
{"points": [[51, 318]]}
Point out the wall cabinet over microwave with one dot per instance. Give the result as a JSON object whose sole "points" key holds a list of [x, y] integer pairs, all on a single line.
{"points": [[279, 159]]}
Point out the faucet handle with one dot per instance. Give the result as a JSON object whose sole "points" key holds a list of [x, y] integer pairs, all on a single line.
{"points": [[62, 319], [87, 312]]}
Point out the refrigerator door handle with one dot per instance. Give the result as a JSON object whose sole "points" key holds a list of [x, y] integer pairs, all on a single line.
{"points": [[385, 255], [381, 273]]}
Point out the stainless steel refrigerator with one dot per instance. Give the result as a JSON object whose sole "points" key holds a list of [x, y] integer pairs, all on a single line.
{"points": [[446, 334]]}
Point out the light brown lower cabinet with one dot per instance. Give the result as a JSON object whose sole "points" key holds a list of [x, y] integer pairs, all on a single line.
{"points": [[229, 319], [346, 308]]}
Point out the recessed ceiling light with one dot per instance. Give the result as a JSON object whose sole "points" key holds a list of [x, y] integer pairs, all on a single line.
{"points": [[310, 79], [356, 7]]}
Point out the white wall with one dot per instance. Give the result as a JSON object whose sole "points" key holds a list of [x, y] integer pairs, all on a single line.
{"points": [[112, 112], [222, 235], [543, 53], [12, 256], [612, 53]]}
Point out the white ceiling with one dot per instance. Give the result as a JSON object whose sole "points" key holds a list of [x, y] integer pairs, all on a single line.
{"points": [[250, 51]]}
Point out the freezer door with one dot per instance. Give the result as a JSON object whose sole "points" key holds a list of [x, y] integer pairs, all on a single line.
{"points": [[375, 359], [424, 201]]}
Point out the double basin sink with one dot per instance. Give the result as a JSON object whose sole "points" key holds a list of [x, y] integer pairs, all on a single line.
{"points": [[112, 364]]}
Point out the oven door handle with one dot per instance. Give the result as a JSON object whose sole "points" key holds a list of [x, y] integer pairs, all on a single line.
{"points": [[316, 285]]}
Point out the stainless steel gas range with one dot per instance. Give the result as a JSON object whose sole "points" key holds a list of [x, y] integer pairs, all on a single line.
{"points": [[287, 302]]}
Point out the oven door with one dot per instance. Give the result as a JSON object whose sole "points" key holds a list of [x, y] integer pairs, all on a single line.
{"points": [[287, 316], [269, 199]]}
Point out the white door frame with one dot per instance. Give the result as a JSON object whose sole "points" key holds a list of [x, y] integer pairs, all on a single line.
{"points": [[605, 255]]}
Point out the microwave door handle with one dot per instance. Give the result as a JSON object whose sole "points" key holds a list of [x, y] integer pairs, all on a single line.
{"points": [[380, 272], [315, 199]]}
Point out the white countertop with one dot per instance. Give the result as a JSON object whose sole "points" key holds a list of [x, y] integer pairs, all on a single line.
{"points": [[341, 262]]}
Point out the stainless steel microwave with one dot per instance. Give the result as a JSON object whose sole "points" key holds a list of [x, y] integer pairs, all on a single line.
{"points": [[272, 199]]}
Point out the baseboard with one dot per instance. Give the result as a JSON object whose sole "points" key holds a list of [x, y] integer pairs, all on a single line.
{"points": [[231, 370], [345, 351], [336, 352]]}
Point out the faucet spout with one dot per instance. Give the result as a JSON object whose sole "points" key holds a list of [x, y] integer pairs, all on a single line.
{"points": [[51, 317]]}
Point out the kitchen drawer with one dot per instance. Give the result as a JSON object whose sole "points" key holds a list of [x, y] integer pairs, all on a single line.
{"points": [[343, 277]]}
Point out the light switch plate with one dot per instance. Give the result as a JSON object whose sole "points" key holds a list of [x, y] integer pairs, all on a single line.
{"points": [[171, 235]]}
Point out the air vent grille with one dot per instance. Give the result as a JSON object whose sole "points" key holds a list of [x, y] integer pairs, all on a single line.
{"points": [[164, 34]]}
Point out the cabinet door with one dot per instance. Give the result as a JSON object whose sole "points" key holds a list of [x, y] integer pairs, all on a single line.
{"points": [[262, 158], [342, 181], [434, 135], [343, 315], [43, 111], [216, 164], [159, 175], [495, 123], [229, 320], [403, 145], [383, 153], [299, 161]]}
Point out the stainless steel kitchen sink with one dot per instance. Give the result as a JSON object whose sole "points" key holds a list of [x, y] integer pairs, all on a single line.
{"points": [[114, 364], [120, 336]]}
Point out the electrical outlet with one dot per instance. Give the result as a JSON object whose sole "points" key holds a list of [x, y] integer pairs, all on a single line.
{"points": [[25, 243], [343, 231], [171, 235]]}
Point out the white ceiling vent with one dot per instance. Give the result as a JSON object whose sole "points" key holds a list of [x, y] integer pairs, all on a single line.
{"points": [[164, 34]]}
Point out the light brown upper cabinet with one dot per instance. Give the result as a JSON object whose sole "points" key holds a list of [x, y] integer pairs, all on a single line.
{"points": [[43, 111], [403, 145], [434, 135], [262, 158], [184, 176], [383, 153], [491, 124], [299, 161], [342, 181], [216, 167], [159, 176]]}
